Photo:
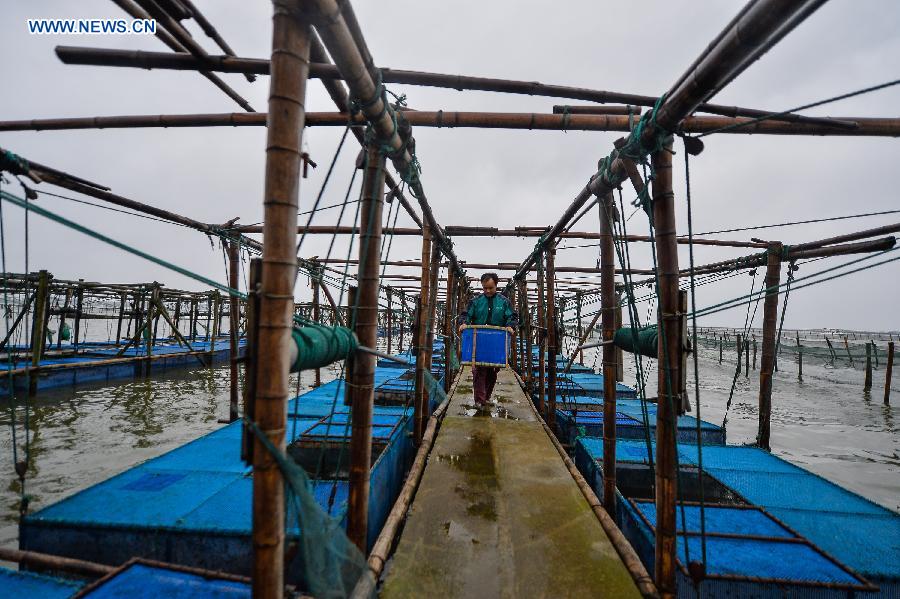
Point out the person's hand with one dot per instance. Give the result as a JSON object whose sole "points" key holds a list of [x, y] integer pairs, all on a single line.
{"points": [[510, 330], [461, 327]]}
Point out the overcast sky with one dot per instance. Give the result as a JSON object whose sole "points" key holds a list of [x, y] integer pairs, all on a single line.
{"points": [[472, 177]]}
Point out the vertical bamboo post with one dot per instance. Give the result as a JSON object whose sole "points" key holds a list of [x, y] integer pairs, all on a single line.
{"points": [[390, 319], [513, 348], [888, 370], [721, 344], [402, 322], [620, 356], [799, 359], [552, 341], [754, 352], [431, 317], [317, 315], [449, 322], [867, 383], [421, 394], [122, 315], [192, 319], [38, 339], [286, 110], [770, 322], [528, 358], [739, 346], [234, 317], [608, 306], [543, 333], [746, 358], [669, 370], [209, 322], [580, 325], [248, 440], [79, 304], [362, 389]]}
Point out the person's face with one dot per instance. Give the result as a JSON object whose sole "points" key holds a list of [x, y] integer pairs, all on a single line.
{"points": [[489, 287]]}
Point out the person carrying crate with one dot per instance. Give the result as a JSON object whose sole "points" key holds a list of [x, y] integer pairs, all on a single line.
{"points": [[489, 308]]}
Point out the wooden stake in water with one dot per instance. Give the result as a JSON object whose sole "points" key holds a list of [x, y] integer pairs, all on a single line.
{"points": [[847, 347], [799, 359], [887, 373], [831, 349], [721, 342], [747, 358], [867, 384], [739, 345], [754, 352]]}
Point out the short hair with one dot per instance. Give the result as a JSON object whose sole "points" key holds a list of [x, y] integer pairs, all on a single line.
{"points": [[490, 275]]}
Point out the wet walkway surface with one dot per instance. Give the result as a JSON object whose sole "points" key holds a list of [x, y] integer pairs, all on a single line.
{"points": [[498, 515]]}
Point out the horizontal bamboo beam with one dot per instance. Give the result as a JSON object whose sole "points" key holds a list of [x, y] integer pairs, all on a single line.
{"points": [[256, 66], [626, 110], [867, 127]]}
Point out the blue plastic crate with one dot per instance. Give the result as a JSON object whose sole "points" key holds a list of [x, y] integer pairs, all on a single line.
{"points": [[485, 346]]}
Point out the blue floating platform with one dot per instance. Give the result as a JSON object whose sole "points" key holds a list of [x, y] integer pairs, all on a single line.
{"points": [[192, 505], [93, 366], [847, 527], [588, 420], [27, 585], [748, 554], [144, 580]]}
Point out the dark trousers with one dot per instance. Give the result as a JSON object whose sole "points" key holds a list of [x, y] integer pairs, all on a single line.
{"points": [[484, 379]]}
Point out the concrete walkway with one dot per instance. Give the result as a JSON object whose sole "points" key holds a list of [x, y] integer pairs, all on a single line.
{"points": [[498, 515]]}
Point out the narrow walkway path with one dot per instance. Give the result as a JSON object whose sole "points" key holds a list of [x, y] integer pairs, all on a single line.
{"points": [[498, 515]]}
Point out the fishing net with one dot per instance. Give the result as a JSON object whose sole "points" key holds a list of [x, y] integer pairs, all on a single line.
{"points": [[331, 564]]}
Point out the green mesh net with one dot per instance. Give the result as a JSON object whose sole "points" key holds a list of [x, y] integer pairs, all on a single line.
{"points": [[331, 563]]}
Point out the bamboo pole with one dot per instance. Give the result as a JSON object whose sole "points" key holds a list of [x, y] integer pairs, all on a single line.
{"points": [[420, 334], [528, 362], [767, 364], [542, 337], [669, 370], [449, 323], [38, 338], [864, 127], [608, 304], [256, 66], [287, 97], [79, 306], [55, 562], [362, 390], [431, 317], [390, 319], [888, 370], [234, 317], [314, 283], [867, 383], [552, 341]]}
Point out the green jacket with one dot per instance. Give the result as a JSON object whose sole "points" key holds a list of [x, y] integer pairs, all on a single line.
{"points": [[481, 312]]}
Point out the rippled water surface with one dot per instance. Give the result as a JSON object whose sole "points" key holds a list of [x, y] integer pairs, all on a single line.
{"points": [[79, 437]]}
